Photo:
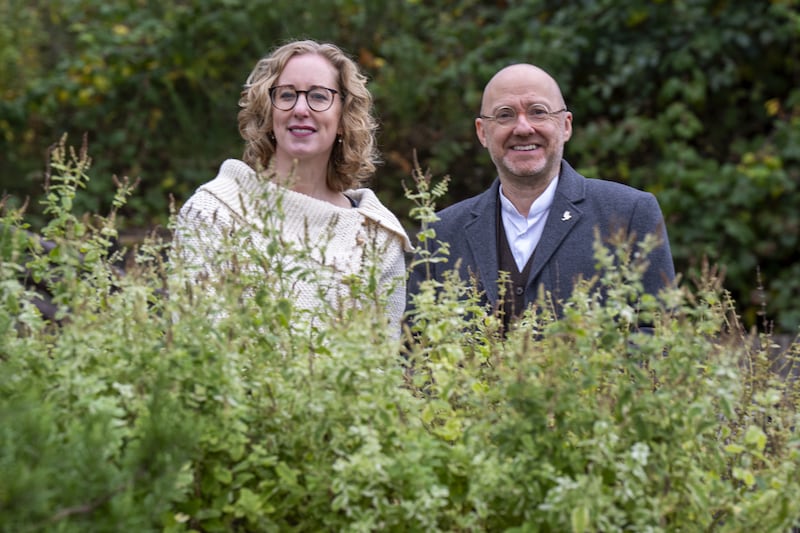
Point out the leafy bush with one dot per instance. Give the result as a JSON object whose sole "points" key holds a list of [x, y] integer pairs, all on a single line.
{"points": [[154, 404], [697, 102]]}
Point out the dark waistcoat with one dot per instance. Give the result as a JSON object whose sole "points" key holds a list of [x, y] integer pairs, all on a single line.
{"points": [[513, 303]]}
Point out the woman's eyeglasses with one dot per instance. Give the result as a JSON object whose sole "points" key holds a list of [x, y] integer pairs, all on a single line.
{"points": [[284, 97]]}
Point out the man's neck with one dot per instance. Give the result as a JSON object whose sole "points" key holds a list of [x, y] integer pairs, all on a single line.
{"points": [[523, 196]]}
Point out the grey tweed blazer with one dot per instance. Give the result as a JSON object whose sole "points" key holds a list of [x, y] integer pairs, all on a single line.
{"points": [[564, 252]]}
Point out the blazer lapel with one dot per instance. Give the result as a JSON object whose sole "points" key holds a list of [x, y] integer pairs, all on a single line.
{"points": [[564, 215], [481, 235]]}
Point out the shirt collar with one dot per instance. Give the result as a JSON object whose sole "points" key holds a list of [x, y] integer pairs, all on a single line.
{"points": [[541, 204]]}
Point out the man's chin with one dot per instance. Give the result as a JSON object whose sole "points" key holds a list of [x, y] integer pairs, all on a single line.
{"points": [[523, 171]]}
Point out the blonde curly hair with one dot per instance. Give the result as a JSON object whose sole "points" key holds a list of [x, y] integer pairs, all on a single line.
{"points": [[353, 159]]}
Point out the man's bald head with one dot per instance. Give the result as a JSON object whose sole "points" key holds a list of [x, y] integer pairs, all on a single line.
{"points": [[516, 77]]}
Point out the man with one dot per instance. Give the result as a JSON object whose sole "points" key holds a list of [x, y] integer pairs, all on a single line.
{"points": [[538, 219]]}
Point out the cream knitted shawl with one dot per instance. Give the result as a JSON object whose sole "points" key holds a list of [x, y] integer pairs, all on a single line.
{"points": [[337, 242]]}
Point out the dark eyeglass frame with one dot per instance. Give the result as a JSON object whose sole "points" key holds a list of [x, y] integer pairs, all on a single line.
{"points": [[541, 115], [297, 94]]}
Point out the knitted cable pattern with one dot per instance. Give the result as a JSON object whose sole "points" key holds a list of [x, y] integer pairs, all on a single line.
{"points": [[332, 243]]}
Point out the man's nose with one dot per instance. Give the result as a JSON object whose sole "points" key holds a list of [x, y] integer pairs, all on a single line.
{"points": [[523, 125]]}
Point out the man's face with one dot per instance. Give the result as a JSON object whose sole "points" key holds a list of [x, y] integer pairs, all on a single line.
{"points": [[525, 151]]}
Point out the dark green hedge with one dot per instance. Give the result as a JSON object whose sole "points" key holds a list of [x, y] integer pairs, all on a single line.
{"points": [[695, 101]]}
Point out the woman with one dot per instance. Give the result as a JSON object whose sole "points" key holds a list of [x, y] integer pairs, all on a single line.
{"points": [[309, 141]]}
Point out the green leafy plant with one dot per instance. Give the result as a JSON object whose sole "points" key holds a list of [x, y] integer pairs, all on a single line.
{"points": [[156, 403]]}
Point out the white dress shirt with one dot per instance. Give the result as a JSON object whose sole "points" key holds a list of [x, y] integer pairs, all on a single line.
{"points": [[523, 233]]}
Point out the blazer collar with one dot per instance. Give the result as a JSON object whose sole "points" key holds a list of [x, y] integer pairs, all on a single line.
{"points": [[481, 231], [564, 215], [481, 235]]}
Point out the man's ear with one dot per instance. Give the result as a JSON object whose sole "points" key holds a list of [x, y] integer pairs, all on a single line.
{"points": [[480, 132], [568, 127]]}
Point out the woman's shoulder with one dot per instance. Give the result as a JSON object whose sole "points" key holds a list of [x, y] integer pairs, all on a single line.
{"points": [[233, 177], [225, 189], [370, 206]]}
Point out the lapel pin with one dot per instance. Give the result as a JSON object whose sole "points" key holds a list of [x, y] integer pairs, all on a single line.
{"points": [[566, 216]]}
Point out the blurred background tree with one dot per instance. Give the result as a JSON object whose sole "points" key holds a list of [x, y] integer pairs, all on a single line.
{"points": [[697, 101]]}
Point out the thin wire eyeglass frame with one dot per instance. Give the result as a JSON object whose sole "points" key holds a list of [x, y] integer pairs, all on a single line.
{"points": [[540, 116]]}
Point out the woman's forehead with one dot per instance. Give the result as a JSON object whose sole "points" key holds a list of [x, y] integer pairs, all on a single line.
{"points": [[308, 69]]}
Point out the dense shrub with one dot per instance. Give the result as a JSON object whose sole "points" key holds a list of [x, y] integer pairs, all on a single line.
{"points": [[696, 102], [154, 404]]}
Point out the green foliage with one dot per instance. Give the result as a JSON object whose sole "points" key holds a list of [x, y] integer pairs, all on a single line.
{"points": [[191, 409], [696, 102]]}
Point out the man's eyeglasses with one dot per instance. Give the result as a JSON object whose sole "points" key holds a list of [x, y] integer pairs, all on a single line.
{"points": [[535, 113], [284, 97]]}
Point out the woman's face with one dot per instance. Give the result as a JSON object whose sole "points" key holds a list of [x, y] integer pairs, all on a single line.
{"points": [[301, 133]]}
